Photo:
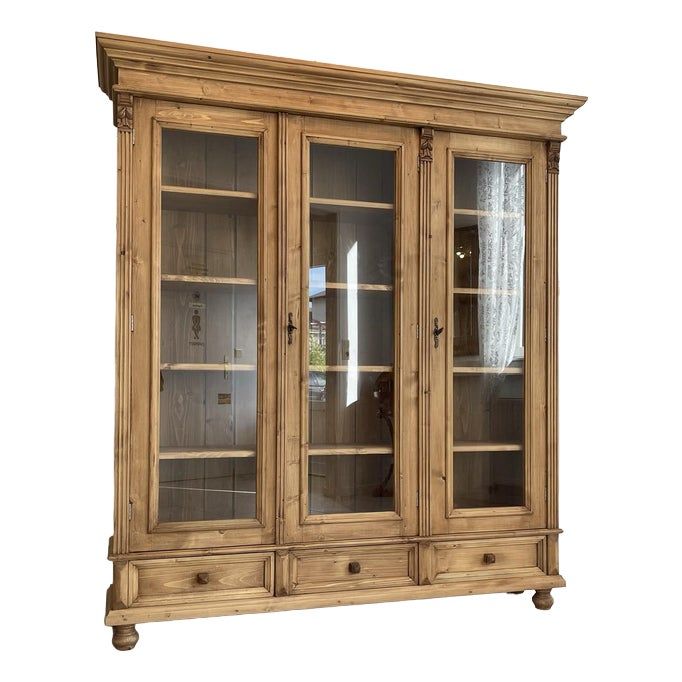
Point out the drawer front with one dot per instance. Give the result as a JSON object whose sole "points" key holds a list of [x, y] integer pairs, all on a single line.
{"points": [[202, 579], [352, 568], [508, 557]]}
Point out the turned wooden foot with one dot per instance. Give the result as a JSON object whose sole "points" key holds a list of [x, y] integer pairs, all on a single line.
{"points": [[125, 637], [543, 599]]}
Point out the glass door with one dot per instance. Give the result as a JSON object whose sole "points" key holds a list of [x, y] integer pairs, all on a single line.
{"points": [[493, 362], [211, 315], [350, 352]]}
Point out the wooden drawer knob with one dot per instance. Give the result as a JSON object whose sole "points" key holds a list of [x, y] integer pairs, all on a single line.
{"points": [[203, 578], [354, 567], [488, 559]]}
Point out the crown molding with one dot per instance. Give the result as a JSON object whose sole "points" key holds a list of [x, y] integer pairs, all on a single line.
{"points": [[179, 72]]}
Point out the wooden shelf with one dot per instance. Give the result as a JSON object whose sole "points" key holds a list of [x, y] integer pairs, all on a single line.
{"points": [[351, 203], [349, 450], [205, 367], [360, 287], [477, 446], [345, 368], [204, 453], [485, 214], [208, 200], [474, 292], [206, 490], [205, 279], [487, 370]]}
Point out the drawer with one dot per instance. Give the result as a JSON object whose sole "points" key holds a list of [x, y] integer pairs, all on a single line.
{"points": [[167, 581], [352, 568], [507, 557]]}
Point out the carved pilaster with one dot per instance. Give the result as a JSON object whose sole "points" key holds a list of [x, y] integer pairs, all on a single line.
{"points": [[124, 111], [425, 163], [124, 222], [426, 146], [553, 149], [552, 334]]}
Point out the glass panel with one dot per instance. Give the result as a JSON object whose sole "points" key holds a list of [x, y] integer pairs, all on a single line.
{"points": [[208, 327], [488, 338], [350, 408], [209, 161], [351, 173], [351, 329], [488, 479], [488, 408], [203, 489], [339, 484]]}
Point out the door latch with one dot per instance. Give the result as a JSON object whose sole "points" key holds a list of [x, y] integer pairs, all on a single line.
{"points": [[437, 331]]}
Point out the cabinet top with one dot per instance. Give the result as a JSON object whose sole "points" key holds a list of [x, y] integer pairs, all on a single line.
{"points": [[188, 73]]}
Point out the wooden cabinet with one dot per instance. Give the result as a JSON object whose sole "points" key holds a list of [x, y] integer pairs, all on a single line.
{"points": [[336, 335]]}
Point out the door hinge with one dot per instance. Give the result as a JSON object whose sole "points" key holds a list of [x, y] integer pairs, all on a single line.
{"points": [[130, 510], [133, 135], [546, 493], [417, 498], [132, 323], [417, 331]]}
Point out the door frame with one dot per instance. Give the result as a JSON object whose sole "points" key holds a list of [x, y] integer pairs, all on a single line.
{"points": [[145, 532], [444, 518], [298, 525]]}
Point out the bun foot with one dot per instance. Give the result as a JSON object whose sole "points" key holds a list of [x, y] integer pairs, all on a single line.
{"points": [[125, 637], [543, 600]]}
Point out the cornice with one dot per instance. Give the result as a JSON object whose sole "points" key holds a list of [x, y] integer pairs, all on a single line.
{"points": [[150, 66]]}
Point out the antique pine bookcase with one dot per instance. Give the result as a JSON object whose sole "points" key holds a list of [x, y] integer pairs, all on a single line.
{"points": [[336, 335]]}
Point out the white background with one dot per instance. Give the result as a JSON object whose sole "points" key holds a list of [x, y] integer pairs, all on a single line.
{"points": [[621, 416]]}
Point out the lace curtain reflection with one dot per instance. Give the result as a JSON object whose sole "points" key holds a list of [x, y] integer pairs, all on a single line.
{"points": [[501, 195]]}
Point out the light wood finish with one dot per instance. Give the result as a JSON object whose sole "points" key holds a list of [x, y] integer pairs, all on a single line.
{"points": [[204, 279], [350, 203], [245, 252], [151, 614], [485, 559], [221, 77], [176, 581], [543, 600], [124, 637], [532, 514], [299, 524], [474, 446], [205, 367], [347, 450], [357, 568], [460, 369], [206, 453]]}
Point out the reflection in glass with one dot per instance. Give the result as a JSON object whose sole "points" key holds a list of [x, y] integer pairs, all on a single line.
{"points": [[488, 352], [208, 326], [488, 479], [350, 329], [204, 489], [340, 484]]}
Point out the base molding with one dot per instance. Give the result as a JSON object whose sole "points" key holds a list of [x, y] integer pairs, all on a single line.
{"points": [[150, 614]]}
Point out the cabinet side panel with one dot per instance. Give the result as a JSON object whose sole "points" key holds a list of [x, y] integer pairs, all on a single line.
{"points": [[124, 219]]}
